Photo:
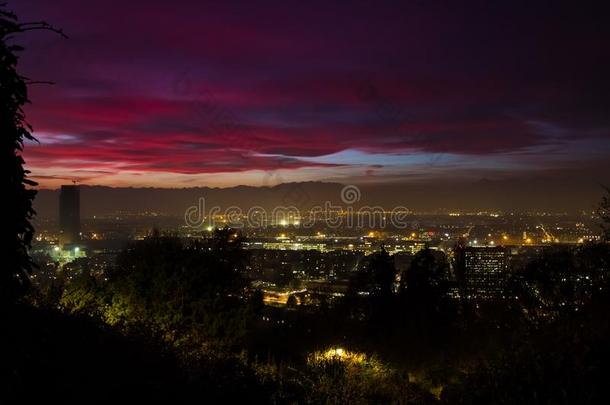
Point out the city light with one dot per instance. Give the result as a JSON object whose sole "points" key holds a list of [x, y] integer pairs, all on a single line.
{"points": [[338, 353]]}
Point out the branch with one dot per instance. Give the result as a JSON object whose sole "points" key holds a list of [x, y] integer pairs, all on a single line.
{"points": [[38, 82], [40, 25]]}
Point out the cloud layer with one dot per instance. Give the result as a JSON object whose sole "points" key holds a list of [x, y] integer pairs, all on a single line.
{"points": [[157, 93]]}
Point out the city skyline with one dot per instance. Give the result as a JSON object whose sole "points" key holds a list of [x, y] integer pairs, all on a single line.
{"points": [[284, 92]]}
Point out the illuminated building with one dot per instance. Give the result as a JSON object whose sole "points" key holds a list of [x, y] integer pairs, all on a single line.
{"points": [[485, 272]]}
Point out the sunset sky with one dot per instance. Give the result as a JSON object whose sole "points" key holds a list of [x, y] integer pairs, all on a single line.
{"points": [[188, 93]]}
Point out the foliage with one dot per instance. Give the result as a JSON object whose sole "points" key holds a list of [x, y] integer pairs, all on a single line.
{"points": [[180, 290], [562, 281], [338, 376], [51, 357], [425, 286], [84, 295], [376, 277], [565, 363], [18, 230], [493, 360]]}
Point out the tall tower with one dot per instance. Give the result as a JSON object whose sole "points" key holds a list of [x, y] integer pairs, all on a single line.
{"points": [[69, 214]]}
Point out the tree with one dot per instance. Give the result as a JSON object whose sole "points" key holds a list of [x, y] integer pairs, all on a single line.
{"points": [[376, 277], [383, 272], [17, 230], [428, 274], [181, 287], [425, 283], [563, 280]]}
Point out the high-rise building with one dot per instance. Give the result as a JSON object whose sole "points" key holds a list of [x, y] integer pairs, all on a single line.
{"points": [[69, 214], [485, 272]]}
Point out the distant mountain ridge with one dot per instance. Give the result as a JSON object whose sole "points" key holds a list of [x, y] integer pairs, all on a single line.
{"points": [[100, 200], [506, 195]]}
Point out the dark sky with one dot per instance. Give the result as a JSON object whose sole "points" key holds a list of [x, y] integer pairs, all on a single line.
{"points": [[185, 93]]}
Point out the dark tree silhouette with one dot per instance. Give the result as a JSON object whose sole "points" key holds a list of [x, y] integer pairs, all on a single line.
{"points": [[382, 271], [17, 230], [425, 283], [563, 280], [427, 274], [180, 287], [376, 276]]}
